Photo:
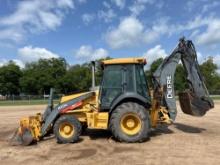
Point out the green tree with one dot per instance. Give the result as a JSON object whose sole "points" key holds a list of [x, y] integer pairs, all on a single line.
{"points": [[211, 76], [77, 78], [153, 67], [39, 77], [9, 79], [180, 78]]}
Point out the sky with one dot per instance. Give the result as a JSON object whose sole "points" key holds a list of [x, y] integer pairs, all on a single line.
{"points": [[85, 30]]}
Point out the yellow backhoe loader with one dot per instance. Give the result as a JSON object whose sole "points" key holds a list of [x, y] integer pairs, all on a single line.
{"points": [[122, 103]]}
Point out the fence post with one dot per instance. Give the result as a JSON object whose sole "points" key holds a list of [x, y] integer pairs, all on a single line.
{"points": [[13, 98], [29, 99], [44, 96]]}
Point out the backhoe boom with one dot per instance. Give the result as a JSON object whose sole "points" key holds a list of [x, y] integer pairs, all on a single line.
{"points": [[195, 100]]}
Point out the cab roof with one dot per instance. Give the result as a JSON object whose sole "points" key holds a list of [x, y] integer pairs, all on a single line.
{"points": [[125, 61]]}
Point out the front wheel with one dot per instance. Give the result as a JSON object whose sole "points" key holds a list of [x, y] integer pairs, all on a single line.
{"points": [[67, 129], [129, 122]]}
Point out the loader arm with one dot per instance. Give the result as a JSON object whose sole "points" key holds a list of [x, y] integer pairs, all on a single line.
{"points": [[194, 101]]}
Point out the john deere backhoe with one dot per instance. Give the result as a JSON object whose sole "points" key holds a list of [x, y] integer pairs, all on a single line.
{"points": [[122, 103]]}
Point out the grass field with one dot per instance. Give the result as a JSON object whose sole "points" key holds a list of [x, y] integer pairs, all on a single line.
{"points": [[217, 97], [24, 102]]}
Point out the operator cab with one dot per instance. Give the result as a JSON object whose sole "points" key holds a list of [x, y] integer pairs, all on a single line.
{"points": [[123, 79]]}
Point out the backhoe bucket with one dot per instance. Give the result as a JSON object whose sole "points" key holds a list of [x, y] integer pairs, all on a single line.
{"points": [[193, 105]]}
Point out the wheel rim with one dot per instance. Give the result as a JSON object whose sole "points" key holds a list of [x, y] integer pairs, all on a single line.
{"points": [[130, 124], [66, 130]]}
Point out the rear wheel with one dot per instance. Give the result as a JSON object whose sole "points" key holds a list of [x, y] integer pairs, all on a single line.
{"points": [[67, 129], [129, 122]]}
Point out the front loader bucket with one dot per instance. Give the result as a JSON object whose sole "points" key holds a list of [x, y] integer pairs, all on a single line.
{"points": [[195, 106], [28, 132]]}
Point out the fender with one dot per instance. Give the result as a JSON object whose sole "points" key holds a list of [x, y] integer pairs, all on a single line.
{"points": [[130, 95]]}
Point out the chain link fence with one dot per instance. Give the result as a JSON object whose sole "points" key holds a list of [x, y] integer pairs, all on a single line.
{"points": [[27, 99], [214, 92]]}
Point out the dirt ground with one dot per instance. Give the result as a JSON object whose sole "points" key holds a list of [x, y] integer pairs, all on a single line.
{"points": [[191, 140]]}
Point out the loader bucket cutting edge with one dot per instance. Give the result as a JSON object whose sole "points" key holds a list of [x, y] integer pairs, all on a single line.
{"points": [[193, 105], [23, 137]]}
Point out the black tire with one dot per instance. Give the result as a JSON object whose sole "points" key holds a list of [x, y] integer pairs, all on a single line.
{"points": [[73, 123], [117, 116]]}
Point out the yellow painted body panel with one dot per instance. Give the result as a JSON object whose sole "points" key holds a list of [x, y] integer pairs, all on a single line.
{"points": [[97, 120], [154, 113], [93, 119], [69, 97], [125, 61], [73, 96]]}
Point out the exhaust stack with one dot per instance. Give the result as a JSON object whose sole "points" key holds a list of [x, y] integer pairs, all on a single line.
{"points": [[93, 75]]}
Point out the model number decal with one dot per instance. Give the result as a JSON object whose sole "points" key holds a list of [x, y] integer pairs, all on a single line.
{"points": [[62, 106], [169, 87]]}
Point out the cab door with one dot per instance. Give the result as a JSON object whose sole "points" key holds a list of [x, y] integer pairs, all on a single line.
{"points": [[112, 85]]}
